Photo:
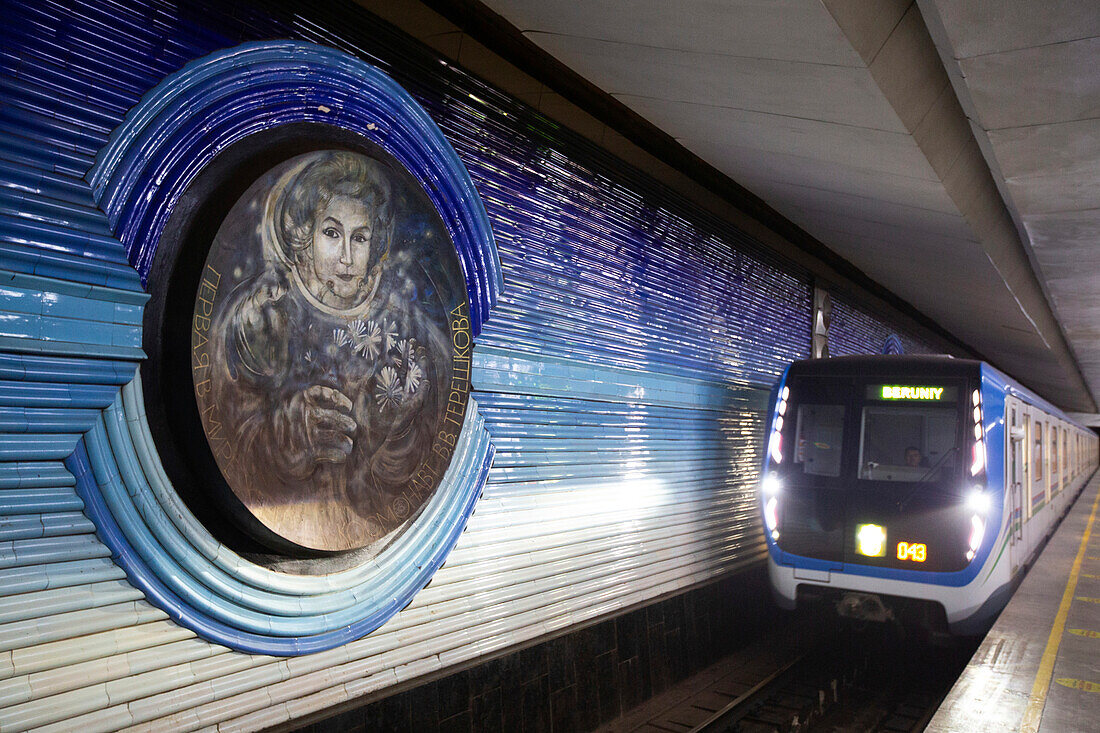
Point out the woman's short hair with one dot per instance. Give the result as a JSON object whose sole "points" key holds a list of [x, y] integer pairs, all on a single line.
{"points": [[333, 174]]}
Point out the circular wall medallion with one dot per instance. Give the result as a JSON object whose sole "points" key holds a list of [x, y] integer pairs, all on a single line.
{"points": [[325, 323], [300, 451]]}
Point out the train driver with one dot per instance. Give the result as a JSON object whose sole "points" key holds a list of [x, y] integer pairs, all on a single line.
{"points": [[914, 458]]}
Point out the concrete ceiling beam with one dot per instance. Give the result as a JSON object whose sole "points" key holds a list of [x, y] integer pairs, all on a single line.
{"points": [[910, 74]]}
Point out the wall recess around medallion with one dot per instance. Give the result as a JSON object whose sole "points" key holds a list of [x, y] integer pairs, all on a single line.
{"points": [[272, 179]]}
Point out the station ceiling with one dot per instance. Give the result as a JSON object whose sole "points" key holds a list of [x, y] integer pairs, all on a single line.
{"points": [[949, 150]]}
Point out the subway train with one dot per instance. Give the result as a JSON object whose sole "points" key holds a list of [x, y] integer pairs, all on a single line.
{"points": [[912, 488]]}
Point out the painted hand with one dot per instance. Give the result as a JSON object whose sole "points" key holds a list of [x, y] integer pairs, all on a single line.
{"points": [[261, 336], [329, 427]]}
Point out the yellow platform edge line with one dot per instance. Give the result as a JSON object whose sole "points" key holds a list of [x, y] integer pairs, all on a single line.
{"points": [[1037, 700]]}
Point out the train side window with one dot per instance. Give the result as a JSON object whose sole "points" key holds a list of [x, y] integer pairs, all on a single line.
{"points": [[1037, 455], [1069, 454], [1066, 468], [1047, 462], [1055, 472], [819, 439]]}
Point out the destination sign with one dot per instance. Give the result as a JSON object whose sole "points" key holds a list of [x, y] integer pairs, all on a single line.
{"points": [[912, 392]]}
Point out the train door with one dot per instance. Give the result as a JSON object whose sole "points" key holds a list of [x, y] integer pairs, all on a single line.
{"points": [[1025, 449], [1040, 478], [1033, 488], [1052, 461], [1014, 488]]}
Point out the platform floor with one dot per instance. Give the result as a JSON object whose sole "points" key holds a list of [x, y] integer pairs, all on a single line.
{"points": [[1038, 669]]}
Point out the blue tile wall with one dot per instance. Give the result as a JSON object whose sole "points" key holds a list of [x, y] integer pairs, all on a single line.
{"points": [[854, 330]]}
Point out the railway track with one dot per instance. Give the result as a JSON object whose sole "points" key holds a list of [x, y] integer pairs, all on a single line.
{"points": [[793, 697], [854, 681], [814, 674]]}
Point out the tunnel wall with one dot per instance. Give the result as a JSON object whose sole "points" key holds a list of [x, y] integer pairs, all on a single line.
{"points": [[620, 377]]}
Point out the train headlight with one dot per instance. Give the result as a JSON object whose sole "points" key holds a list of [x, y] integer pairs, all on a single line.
{"points": [[977, 463], [775, 441], [977, 532], [978, 460], [978, 501], [871, 540], [771, 514], [775, 446]]}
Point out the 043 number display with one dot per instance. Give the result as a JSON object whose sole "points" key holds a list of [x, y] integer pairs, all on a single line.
{"points": [[915, 551]]}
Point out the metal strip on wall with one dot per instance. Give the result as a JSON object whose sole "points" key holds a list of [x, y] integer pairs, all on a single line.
{"points": [[856, 331]]}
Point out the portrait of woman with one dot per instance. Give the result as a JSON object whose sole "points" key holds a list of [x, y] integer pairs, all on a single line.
{"points": [[329, 347]]}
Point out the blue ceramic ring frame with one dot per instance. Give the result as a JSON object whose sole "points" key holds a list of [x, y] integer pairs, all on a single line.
{"points": [[177, 129], [216, 101]]}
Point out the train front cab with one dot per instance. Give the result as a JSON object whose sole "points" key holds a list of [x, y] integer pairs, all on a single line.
{"points": [[913, 487], [877, 493]]}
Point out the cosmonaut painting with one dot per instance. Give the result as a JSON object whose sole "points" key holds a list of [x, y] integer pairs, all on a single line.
{"points": [[330, 349]]}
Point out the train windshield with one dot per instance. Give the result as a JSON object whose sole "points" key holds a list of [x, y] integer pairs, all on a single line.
{"points": [[909, 437], [874, 431]]}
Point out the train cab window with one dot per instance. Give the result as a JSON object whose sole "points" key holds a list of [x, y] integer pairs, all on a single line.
{"points": [[908, 432], [819, 439], [907, 442]]}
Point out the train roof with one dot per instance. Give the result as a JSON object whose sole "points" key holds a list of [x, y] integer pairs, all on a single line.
{"points": [[933, 365], [887, 364]]}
